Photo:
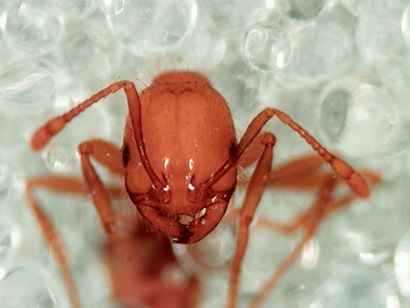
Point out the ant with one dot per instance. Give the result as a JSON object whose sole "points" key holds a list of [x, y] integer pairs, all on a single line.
{"points": [[144, 271], [179, 160]]}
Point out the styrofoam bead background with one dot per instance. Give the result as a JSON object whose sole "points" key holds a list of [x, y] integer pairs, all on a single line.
{"points": [[338, 67]]}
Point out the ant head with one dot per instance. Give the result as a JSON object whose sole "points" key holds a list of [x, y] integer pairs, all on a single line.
{"points": [[174, 203], [185, 220]]}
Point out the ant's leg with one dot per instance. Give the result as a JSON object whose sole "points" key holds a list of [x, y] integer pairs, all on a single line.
{"points": [[355, 181], [302, 220], [43, 135], [48, 229], [106, 154], [245, 214], [66, 185], [253, 195], [253, 152], [309, 221], [302, 173], [373, 178], [286, 264], [340, 167]]}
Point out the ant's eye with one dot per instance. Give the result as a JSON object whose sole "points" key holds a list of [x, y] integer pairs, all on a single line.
{"points": [[125, 155]]}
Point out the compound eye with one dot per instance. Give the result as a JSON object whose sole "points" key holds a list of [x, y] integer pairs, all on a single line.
{"points": [[125, 155]]}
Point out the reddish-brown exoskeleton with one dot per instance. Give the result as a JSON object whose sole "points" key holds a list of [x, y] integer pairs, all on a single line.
{"points": [[179, 161], [144, 271]]}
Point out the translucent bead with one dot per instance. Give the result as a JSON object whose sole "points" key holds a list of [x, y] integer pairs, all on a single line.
{"points": [[266, 48], [379, 39], [230, 18], [33, 26], [405, 25], [359, 116], [402, 265], [27, 286], [60, 154], [61, 158], [27, 85], [76, 9], [206, 50], [334, 112], [358, 7], [152, 28], [90, 51], [4, 175], [318, 51], [10, 239], [300, 9], [363, 8]]}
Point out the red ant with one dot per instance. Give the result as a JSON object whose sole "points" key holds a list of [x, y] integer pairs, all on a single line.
{"points": [[144, 271], [179, 160]]}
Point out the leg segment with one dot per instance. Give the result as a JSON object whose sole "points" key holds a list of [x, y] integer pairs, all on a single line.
{"points": [[106, 154], [253, 195], [302, 173], [309, 222], [42, 136], [340, 167], [48, 229], [290, 175], [99, 194]]}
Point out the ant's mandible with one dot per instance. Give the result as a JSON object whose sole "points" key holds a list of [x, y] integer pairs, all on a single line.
{"points": [[179, 161]]}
